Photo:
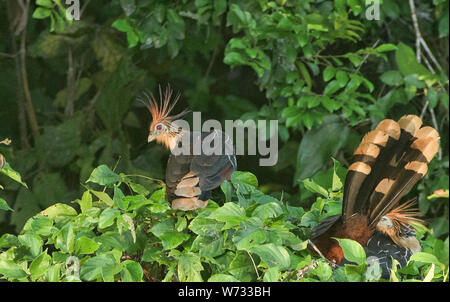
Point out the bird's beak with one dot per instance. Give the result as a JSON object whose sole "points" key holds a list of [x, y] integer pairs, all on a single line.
{"points": [[151, 137]]}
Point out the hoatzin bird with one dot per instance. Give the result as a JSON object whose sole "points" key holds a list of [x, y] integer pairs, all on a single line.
{"points": [[389, 161], [190, 178]]}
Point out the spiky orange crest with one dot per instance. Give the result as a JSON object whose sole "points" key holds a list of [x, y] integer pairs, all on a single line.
{"points": [[160, 110], [404, 215]]}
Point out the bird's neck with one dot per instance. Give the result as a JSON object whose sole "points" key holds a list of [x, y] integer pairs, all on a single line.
{"points": [[171, 140]]}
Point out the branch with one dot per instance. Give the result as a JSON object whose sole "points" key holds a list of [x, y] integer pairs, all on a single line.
{"points": [[416, 29], [320, 253], [254, 265], [419, 39], [21, 115], [23, 67], [71, 85], [421, 42]]}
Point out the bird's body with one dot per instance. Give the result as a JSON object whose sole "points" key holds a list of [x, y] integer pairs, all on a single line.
{"points": [[190, 178], [206, 161], [387, 164]]}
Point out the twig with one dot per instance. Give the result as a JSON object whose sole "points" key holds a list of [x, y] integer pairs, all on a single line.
{"points": [[320, 253], [146, 177], [416, 29], [424, 109], [421, 42], [84, 7], [254, 265], [114, 169], [366, 56], [211, 63], [419, 38]]}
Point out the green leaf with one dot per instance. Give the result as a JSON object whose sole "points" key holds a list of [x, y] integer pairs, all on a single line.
{"points": [[40, 265], [272, 274], [45, 3], [336, 183], [107, 217], [59, 212], [11, 270], [273, 255], [241, 267], [171, 240], [407, 63], [424, 257], [268, 210], [11, 173], [86, 201], [102, 196], [230, 213], [323, 271], [332, 87], [131, 271], [341, 78], [103, 176], [433, 97], [249, 237], [244, 177], [209, 247], [4, 205], [386, 47], [443, 23], [33, 242], [305, 73], [315, 188], [189, 268], [314, 152], [122, 25], [40, 225], [353, 251], [65, 239], [329, 73], [222, 278], [392, 78], [41, 13], [100, 266], [53, 273], [8, 240], [85, 245], [176, 24], [181, 224], [205, 226]]}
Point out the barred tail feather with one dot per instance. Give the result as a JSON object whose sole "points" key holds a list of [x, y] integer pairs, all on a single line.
{"points": [[389, 161]]}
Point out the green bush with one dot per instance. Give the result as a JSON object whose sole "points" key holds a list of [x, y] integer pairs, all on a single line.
{"points": [[138, 237], [319, 67]]}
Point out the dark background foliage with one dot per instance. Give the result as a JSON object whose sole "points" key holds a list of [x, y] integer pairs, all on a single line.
{"points": [[68, 90]]}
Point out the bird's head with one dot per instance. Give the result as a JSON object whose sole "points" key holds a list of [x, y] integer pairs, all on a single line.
{"points": [[162, 129], [385, 224]]}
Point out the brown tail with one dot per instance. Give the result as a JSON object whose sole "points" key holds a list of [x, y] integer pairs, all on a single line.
{"points": [[389, 161]]}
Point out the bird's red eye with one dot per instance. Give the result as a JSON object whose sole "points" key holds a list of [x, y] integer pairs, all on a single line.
{"points": [[159, 127]]}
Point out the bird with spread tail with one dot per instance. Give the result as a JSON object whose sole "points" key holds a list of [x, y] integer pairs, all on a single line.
{"points": [[190, 176], [388, 162]]}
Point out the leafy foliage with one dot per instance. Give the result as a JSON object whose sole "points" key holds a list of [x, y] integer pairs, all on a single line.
{"points": [[319, 67], [137, 237]]}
